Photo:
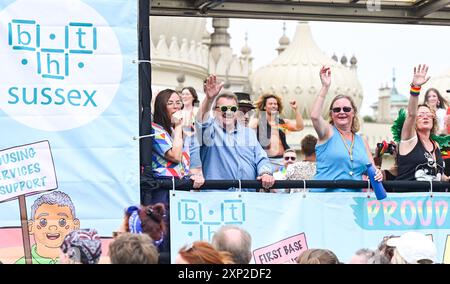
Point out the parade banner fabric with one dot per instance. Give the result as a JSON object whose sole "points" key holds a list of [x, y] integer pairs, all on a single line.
{"points": [[284, 225], [68, 112], [26, 169]]}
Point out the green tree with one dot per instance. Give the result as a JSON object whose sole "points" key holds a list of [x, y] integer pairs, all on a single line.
{"points": [[368, 118]]}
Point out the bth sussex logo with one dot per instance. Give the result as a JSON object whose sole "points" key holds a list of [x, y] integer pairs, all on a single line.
{"points": [[53, 60], [64, 67]]}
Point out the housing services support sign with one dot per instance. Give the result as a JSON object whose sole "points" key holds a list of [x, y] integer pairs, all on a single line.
{"points": [[68, 77], [284, 225], [26, 169]]}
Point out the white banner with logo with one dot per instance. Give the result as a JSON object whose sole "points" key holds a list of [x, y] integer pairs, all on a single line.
{"points": [[67, 77], [284, 225]]}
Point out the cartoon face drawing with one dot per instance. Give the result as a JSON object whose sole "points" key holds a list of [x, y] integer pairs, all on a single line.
{"points": [[430, 160], [52, 218], [430, 170], [51, 224]]}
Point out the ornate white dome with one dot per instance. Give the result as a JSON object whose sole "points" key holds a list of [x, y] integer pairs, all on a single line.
{"points": [[344, 60], [294, 74], [246, 50], [179, 27], [353, 60], [181, 55], [284, 40]]}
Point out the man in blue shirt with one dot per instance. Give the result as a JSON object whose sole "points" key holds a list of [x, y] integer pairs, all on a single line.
{"points": [[229, 150]]}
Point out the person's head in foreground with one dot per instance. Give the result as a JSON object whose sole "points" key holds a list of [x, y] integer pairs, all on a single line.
{"points": [[317, 256], [234, 240], [200, 252], [413, 248], [131, 248], [81, 247]]}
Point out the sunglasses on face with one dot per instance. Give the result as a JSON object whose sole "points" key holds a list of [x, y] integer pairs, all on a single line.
{"points": [[425, 114], [338, 109], [226, 108], [290, 158]]}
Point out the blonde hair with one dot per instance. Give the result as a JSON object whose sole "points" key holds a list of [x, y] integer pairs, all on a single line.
{"points": [[434, 129], [261, 102], [317, 256], [355, 121], [133, 249]]}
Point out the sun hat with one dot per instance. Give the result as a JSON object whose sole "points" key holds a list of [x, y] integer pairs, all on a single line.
{"points": [[414, 246]]}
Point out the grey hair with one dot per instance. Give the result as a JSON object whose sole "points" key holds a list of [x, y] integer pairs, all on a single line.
{"points": [[239, 248], [225, 94], [378, 258], [55, 197]]}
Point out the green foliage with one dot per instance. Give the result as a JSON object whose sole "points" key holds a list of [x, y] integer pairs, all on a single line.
{"points": [[368, 118], [443, 141], [396, 128]]}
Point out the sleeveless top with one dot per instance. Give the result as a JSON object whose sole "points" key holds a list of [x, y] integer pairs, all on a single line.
{"points": [[333, 161], [264, 140], [419, 164]]}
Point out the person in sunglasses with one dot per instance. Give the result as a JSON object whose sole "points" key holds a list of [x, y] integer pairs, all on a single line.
{"points": [[419, 157], [271, 128], [289, 157], [228, 150], [246, 108], [341, 153]]}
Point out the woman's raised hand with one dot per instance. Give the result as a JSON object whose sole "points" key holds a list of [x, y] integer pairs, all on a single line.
{"points": [[325, 76], [420, 75], [212, 87], [293, 104]]}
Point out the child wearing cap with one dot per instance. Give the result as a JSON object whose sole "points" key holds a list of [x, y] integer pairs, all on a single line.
{"points": [[413, 248]]}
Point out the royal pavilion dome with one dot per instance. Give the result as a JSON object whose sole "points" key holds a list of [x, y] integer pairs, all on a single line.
{"points": [[178, 27]]}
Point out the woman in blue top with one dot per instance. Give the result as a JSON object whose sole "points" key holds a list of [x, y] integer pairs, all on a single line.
{"points": [[341, 153]]}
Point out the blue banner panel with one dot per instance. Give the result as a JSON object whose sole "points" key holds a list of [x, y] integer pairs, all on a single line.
{"points": [[67, 77]]}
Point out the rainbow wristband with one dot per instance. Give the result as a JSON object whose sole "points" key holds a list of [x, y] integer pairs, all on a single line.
{"points": [[415, 91]]}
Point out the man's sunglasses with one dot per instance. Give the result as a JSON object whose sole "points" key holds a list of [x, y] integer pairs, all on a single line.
{"points": [[226, 108], [290, 158], [338, 109]]}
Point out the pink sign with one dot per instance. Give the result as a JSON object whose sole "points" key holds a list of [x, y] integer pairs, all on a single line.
{"points": [[284, 251]]}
